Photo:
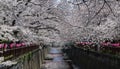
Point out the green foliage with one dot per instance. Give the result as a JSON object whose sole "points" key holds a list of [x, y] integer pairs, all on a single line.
{"points": [[4, 41]]}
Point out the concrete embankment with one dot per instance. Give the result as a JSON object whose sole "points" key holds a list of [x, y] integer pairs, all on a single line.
{"points": [[30, 60]]}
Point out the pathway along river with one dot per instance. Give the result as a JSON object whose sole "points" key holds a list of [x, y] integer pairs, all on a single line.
{"points": [[56, 59]]}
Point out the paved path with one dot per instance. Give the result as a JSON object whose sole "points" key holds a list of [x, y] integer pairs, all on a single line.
{"points": [[55, 60]]}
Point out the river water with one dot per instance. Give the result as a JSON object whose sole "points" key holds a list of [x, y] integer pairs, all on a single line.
{"points": [[58, 61]]}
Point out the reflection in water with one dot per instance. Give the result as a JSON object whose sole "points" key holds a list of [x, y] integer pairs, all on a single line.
{"points": [[55, 51], [59, 58]]}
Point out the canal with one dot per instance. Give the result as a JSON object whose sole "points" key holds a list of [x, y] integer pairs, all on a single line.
{"points": [[56, 59]]}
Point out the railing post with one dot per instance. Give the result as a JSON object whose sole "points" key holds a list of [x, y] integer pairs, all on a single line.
{"points": [[40, 58]]}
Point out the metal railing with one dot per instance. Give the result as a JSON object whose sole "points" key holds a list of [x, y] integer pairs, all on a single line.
{"points": [[16, 51]]}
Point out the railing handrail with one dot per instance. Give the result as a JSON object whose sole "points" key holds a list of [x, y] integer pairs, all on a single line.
{"points": [[101, 43], [11, 45]]}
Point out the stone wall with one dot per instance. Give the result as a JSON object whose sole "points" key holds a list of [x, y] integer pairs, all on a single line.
{"points": [[31, 60]]}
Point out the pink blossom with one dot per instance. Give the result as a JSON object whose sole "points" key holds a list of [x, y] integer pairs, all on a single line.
{"points": [[1, 45], [12, 45]]}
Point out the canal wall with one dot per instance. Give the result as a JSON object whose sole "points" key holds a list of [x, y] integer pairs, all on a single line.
{"points": [[86, 59], [30, 60]]}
